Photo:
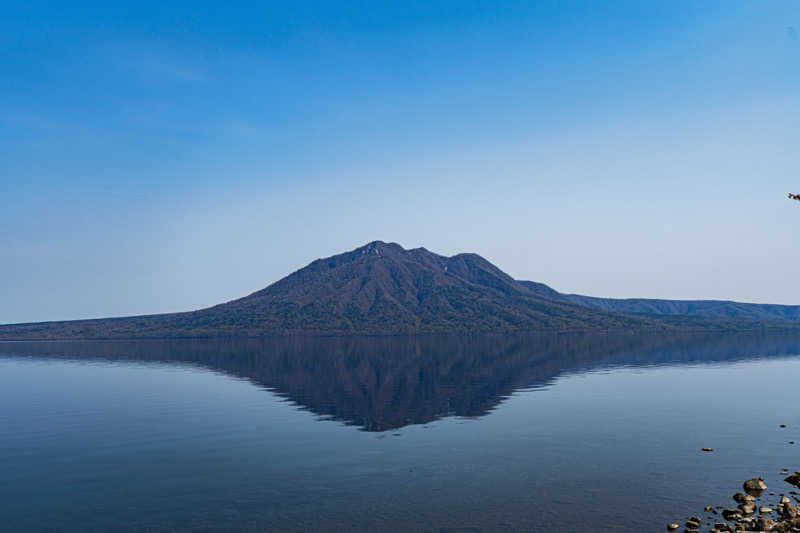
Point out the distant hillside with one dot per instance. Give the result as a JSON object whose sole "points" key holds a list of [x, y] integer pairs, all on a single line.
{"points": [[715, 309], [379, 288], [383, 288]]}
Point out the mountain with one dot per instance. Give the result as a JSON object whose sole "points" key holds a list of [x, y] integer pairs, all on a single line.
{"points": [[713, 309], [379, 288], [382, 288]]}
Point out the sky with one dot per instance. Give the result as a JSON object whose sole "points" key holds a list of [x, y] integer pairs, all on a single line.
{"points": [[167, 156]]}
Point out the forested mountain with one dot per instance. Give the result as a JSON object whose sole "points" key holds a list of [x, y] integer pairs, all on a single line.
{"points": [[716, 309], [382, 288]]}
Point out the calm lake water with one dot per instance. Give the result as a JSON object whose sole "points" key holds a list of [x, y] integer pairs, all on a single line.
{"points": [[560, 433]]}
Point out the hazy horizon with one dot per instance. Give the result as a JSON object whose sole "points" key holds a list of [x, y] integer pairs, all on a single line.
{"points": [[167, 158]]}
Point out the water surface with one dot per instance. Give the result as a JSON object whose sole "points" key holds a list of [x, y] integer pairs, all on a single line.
{"points": [[521, 433]]}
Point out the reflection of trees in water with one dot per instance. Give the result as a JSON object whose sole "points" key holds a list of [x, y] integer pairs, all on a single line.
{"points": [[382, 383]]}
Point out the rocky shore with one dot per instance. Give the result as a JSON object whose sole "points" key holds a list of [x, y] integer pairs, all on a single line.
{"points": [[755, 510]]}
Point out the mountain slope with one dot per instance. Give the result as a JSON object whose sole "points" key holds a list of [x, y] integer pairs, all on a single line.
{"points": [[383, 288], [379, 288], [714, 309]]}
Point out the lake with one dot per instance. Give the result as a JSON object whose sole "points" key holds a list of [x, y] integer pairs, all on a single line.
{"points": [[581, 433]]}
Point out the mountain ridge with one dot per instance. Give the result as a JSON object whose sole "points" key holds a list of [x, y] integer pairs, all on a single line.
{"points": [[382, 288], [722, 309]]}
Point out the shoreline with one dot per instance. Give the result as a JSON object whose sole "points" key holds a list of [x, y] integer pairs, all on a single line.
{"points": [[756, 508]]}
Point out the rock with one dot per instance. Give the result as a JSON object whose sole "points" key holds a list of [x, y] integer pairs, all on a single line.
{"points": [[790, 511], [764, 524], [783, 425], [707, 449], [755, 486], [794, 479], [748, 507], [744, 518], [731, 514], [693, 524]]}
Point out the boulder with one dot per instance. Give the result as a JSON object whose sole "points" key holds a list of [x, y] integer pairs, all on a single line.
{"points": [[794, 479], [731, 514], [790, 511], [754, 486], [764, 524], [748, 507]]}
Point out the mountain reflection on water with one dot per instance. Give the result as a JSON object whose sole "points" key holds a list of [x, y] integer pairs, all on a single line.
{"points": [[384, 383]]}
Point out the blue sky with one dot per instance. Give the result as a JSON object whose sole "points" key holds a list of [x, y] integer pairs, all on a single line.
{"points": [[160, 157]]}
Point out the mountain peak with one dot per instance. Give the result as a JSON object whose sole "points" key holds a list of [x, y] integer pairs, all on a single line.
{"points": [[378, 247]]}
